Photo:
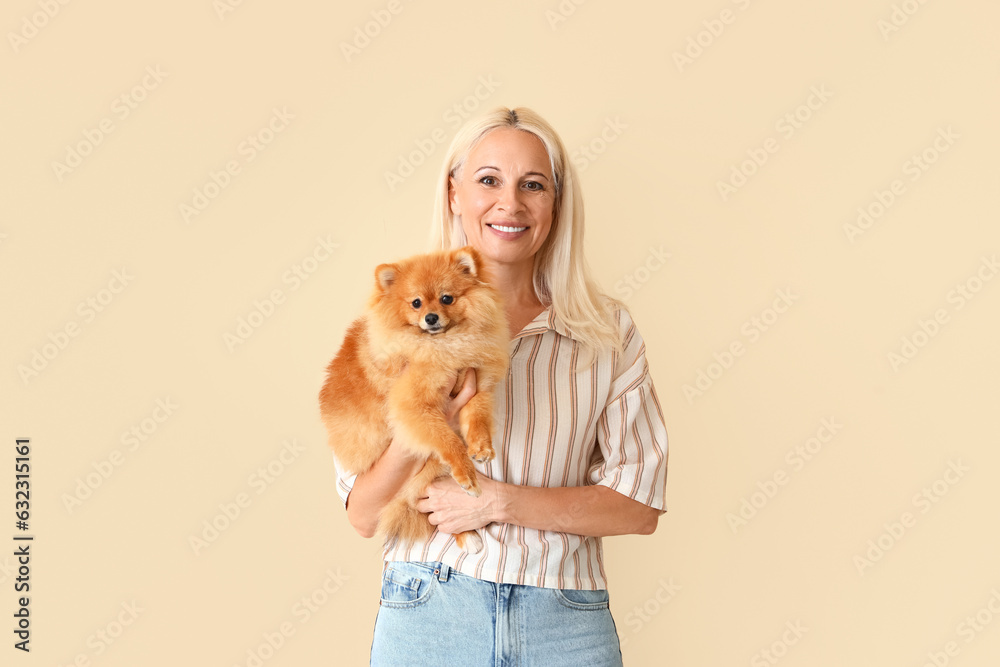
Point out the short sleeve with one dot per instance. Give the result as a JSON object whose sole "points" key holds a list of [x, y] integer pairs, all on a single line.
{"points": [[631, 432], [345, 481]]}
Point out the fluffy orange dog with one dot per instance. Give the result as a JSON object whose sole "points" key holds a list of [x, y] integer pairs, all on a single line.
{"points": [[430, 317]]}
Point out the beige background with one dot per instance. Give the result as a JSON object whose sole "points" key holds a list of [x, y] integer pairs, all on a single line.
{"points": [[661, 134]]}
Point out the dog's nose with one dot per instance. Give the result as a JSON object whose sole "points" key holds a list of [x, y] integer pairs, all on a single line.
{"points": [[431, 318]]}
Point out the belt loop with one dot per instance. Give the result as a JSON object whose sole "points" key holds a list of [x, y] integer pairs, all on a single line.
{"points": [[442, 571]]}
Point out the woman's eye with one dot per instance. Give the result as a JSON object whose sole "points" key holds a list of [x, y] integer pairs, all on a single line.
{"points": [[534, 185], [415, 303], [488, 180], [447, 299]]}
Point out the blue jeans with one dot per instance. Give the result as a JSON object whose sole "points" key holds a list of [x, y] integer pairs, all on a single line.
{"points": [[432, 616]]}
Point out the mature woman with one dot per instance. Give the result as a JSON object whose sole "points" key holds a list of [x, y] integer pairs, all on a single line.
{"points": [[581, 444]]}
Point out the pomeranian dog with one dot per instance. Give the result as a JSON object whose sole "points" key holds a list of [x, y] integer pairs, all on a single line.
{"points": [[429, 318]]}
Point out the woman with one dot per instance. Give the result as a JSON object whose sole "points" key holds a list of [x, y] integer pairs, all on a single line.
{"points": [[581, 445]]}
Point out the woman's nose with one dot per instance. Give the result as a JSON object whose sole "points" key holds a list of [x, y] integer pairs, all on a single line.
{"points": [[509, 199]]}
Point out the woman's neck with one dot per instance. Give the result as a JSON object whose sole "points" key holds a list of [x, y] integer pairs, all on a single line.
{"points": [[516, 285]]}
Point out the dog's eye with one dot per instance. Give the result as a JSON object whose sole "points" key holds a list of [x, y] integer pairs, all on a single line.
{"points": [[415, 303], [447, 299]]}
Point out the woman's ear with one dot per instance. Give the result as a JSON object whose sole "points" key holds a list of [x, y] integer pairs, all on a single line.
{"points": [[456, 209]]}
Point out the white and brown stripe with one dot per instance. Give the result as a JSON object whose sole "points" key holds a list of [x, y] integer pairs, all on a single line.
{"points": [[559, 426]]}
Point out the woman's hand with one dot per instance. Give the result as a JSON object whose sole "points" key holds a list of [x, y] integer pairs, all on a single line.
{"points": [[458, 396], [453, 511]]}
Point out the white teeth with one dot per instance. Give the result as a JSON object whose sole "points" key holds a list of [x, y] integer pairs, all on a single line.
{"points": [[501, 228]]}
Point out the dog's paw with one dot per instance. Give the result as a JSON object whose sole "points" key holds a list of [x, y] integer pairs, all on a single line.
{"points": [[469, 483], [469, 541], [481, 451], [483, 455]]}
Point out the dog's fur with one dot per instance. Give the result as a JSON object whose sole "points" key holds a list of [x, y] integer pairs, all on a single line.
{"points": [[395, 367]]}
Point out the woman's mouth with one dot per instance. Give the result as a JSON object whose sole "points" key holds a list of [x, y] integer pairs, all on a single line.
{"points": [[506, 229]]}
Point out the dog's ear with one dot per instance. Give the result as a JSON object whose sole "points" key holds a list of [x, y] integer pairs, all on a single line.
{"points": [[385, 275], [468, 260]]}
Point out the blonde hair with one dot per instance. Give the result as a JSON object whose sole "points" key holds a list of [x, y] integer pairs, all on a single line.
{"points": [[561, 275]]}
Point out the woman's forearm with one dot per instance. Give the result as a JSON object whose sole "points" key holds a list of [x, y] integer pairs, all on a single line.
{"points": [[374, 489], [595, 511]]}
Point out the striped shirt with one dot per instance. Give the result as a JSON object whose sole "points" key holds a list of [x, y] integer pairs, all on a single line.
{"points": [[559, 426]]}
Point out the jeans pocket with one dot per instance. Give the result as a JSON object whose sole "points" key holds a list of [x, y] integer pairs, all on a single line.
{"points": [[584, 600], [407, 585]]}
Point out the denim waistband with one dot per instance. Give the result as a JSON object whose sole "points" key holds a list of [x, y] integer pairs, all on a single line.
{"points": [[440, 570]]}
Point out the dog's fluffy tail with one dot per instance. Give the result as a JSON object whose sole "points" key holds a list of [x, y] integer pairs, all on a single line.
{"points": [[401, 519]]}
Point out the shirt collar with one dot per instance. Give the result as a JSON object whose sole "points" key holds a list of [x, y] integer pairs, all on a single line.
{"points": [[545, 321]]}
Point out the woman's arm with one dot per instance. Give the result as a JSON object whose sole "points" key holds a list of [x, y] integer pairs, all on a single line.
{"points": [[595, 511], [374, 488]]}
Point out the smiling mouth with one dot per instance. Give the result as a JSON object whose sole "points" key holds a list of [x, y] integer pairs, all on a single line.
{"points": [[505, 228]]}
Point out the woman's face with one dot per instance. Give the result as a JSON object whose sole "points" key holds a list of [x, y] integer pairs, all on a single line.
{"points": [[505, 195]]}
